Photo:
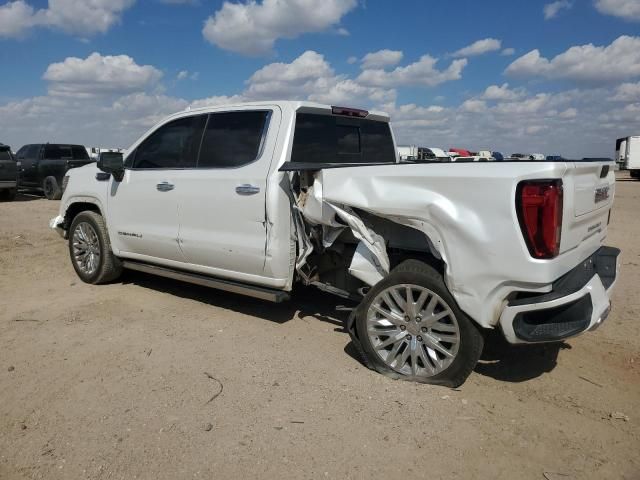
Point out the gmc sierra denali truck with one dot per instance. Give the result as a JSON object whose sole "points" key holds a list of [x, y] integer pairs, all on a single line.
{"points": [[254, 198]]}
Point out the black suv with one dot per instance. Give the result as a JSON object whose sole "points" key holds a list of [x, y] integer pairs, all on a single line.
{"points": [[8, 173], [45, 164]]}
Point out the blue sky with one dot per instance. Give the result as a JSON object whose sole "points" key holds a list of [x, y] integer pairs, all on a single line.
{"points": [[556, 77]]}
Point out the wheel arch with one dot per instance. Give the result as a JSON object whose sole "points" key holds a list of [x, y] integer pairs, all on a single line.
{"points": [[78, 205]]}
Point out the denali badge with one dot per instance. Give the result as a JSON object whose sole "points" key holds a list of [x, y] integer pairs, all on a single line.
{"points": [[128, 234], [602, 193]]}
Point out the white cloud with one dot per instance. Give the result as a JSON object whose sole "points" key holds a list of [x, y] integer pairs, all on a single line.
{"points": [[474, 106], [252, 28], [76, 17], [625, 9], [99, 74], [502, 93], [382, 58], [310, 77], [627, 92], [351, 60], [479, 47], [551, 10], [507, 52], [585, 63], [423, 72], [182, 74], [568, 113]]}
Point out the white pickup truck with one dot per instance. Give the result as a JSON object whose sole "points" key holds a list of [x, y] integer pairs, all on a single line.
{"points": [[254, 198]]}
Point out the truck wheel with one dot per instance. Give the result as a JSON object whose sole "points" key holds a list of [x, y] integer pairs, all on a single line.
{"points": [[8, 195], [90, 249], [51, 189], [411, 328]]}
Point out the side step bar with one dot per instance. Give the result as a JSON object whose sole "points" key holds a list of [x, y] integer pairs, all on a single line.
{"points": [[262, 293]]}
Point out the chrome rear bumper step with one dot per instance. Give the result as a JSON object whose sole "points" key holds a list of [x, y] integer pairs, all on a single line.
{"points": [[262, 293]]}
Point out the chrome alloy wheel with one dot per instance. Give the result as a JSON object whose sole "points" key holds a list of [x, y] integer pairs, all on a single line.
{"points": [[413, 330], [86, 248]]}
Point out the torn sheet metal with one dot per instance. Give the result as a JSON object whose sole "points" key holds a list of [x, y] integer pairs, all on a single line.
{"points": [[370, 262]]}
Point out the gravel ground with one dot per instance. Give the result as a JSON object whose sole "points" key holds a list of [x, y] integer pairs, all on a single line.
{"points": [[150, 378]]}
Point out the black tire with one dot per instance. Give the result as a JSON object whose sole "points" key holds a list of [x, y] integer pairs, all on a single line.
{"points": [[109, 267], [8, 195], [51, 188], [471, 341]]}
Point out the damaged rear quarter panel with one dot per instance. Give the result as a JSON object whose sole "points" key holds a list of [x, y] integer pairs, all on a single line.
{"points": [[467, 213]]}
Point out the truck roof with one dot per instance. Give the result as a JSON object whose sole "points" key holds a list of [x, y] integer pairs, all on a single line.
{"points": [[296, 105]]}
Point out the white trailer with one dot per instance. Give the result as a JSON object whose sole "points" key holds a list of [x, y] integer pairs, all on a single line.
{"points": [[628, 154]]}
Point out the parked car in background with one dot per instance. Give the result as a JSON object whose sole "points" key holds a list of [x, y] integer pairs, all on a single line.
{"points": [[461, 152], [256, 198], [484, 154], [498, 156], [44, 166], [520, 156], [94, 152], [555, 158], [628, 155], [537, 156], [472, 158], [8, 173]]}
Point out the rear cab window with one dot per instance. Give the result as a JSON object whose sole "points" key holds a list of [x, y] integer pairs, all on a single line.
{"points": [[336, 139], [5, 153]]}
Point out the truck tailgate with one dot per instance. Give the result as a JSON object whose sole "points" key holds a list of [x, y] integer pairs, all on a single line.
{"points": [[8, 170], [589, 190]]}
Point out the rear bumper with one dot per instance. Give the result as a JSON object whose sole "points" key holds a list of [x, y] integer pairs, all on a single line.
{"points": [[579, 301]]}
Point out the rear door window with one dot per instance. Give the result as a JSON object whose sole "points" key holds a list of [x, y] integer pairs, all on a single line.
{"points": [[232, 139], [175, 145], [335, 139]]}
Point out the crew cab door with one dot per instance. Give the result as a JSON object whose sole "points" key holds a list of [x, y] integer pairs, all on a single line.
{"points": [[29, 156], [223, 229], [143, 208]]}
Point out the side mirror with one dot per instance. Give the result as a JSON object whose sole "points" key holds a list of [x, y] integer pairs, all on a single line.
{"points": [[113, 163]]}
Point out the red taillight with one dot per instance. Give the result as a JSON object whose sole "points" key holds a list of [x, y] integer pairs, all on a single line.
{"points": [[539, 206]]}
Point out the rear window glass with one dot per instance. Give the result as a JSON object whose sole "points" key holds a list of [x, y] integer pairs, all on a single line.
{"points": [[65, 152], [335, 139], [5, 154]]}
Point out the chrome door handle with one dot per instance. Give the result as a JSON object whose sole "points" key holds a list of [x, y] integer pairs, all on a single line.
{"points": [[164, 186], [247, 189]]}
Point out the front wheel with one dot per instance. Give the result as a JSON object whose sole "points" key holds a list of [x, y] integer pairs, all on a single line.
{"points": [[90, 249], [410, 327]]}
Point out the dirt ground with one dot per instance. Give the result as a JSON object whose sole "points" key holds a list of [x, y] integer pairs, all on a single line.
{"points": [[150, 378]]}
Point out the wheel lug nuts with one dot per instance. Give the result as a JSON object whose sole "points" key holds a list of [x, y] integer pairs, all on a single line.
{"points": [[403, 328], [418, 319], [408, 337], [419, 338], [424, 330], [406, 318]]}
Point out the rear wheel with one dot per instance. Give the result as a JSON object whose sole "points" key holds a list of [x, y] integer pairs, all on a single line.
{"points": [[90, 249], [51, 188], [411, 328]]}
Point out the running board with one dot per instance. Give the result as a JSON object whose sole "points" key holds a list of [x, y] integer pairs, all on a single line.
{"points": [[262, 293]]}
